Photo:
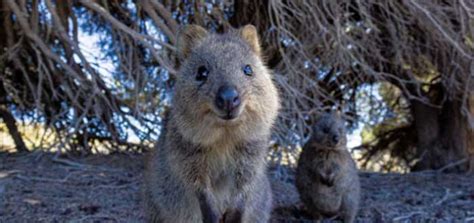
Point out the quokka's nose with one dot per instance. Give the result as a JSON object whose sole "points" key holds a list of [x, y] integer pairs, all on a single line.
{"points": [[227, 98], [335, 138]]}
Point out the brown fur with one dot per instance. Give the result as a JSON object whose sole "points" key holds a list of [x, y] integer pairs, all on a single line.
{"points": [[326, 175], [205, 168]]}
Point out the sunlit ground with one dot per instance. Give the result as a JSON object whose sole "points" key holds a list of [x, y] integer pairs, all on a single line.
{"points": [[37, 138]]}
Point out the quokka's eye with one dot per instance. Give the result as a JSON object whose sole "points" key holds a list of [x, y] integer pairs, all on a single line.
{"points": [[202, 73], [248, 70]]}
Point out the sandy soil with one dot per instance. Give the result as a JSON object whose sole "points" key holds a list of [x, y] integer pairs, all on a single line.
{"points": [[38, 187]]}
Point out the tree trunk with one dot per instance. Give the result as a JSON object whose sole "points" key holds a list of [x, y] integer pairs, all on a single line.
{"points": [[444, 136], [470, 137], [11, 125]]}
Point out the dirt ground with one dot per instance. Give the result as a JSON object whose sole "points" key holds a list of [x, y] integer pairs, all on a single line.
{"points": [[41, 188]]}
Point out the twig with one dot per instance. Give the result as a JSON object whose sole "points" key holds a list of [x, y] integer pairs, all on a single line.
{"points": [[83, 219], [445, 197], [117, 186], [453, 164], [407, 216], [102, 12], [69, 163], [4, 174], [63, 180], [83, 166]]}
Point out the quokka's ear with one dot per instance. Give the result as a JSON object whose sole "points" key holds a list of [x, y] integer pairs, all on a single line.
{"points": [[188, 38], [250, 35]]}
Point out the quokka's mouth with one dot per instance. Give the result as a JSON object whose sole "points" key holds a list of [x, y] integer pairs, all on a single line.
{"points": [[333, 144], [229, 116]]}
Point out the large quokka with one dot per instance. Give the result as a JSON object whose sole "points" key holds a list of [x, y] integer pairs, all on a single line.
{"points": [[209, 165], [326, 176]]}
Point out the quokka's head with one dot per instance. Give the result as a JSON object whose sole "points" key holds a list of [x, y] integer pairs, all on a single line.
{"points": [[329, 131], [223, 82]]}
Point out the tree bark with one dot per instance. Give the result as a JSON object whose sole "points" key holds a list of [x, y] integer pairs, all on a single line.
{"points": [[444, 136], [470, 138], [11, 125]]}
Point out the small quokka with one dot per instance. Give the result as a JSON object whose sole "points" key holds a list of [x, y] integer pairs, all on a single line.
{"points": [[326, 176], [209, 165]]}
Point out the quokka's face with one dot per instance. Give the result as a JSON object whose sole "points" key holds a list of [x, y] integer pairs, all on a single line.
{"points": [[220, 76], [329, 131], [223, 79]]}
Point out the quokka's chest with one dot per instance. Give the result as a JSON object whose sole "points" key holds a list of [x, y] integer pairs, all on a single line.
{"points": [[222, 169], [224, 176]]}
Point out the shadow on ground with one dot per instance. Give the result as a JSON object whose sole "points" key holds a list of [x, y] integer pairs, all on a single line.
{"points": [[38, 187]]}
